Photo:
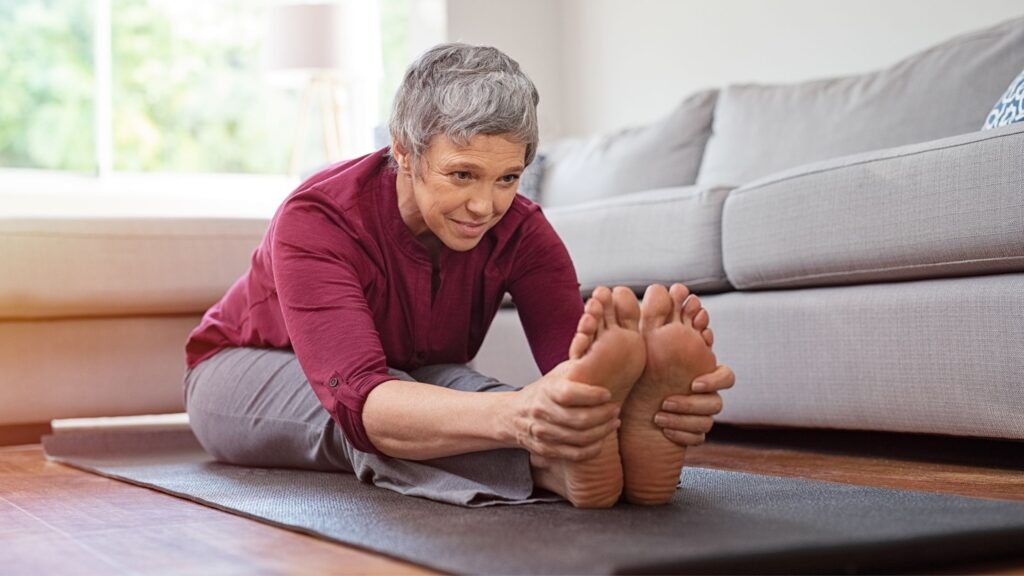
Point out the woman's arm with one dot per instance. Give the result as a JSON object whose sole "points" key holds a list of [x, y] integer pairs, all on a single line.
{"points": [[553, 417], [546, 292], [316, 267]]}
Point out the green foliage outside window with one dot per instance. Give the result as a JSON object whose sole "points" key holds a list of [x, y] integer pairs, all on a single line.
{"points": [[189, 93], [46, 85]]}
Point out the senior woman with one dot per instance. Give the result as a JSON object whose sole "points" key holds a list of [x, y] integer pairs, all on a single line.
{"points": [[344, 346]]}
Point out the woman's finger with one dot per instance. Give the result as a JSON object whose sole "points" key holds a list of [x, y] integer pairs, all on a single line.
{"points": [[694, 404], [684, 438], [721, 379], [553, 433], [579, 453], [564, 451], [569, 393], [691, 424], [582, 418]]}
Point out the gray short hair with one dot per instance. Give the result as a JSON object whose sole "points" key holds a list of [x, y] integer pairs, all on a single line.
{"points": [[462, 91]]}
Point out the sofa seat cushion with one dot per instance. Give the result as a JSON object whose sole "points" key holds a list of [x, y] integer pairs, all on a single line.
{"points": [[931, 356], [940, 92], [944, 208], [81, 267], [659, 236]]}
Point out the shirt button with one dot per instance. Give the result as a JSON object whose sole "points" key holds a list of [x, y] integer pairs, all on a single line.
{"points": [[333, 382]]}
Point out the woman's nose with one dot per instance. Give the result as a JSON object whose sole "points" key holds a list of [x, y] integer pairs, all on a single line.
{"points": [[481, 202]]}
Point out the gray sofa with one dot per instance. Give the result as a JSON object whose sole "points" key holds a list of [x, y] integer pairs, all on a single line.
{"points": [[858, 241]]}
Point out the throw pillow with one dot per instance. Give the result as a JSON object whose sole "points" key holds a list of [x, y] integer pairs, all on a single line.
{"points": [[664, 154], [1010, 108], [530, 179]]}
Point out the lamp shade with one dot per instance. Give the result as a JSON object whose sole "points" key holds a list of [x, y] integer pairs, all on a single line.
{"points": [[305, 37]]}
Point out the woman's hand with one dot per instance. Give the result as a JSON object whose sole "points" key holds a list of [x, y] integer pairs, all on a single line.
{"points": [[686, 420], [558, 418]]}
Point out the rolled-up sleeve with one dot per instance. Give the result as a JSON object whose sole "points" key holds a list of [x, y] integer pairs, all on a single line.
{"points": [[316, 267]]}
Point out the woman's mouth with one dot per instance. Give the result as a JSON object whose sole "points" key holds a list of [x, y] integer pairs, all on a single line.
{"points": [[471, 229]]}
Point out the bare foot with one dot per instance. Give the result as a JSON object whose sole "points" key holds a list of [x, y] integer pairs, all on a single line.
{"points": [[678, 350], [608, 351]]}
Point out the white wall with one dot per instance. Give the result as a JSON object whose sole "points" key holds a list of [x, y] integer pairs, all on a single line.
{"points": [[604, 64]]}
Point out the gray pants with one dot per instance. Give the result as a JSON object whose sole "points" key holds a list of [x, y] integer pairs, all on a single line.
{"points": [[255, 407]]}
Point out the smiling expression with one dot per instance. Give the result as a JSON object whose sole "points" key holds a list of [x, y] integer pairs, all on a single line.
{"points": [[456, 193]]}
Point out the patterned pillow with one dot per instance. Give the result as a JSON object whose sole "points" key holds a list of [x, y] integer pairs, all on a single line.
{"points": [[1010, 108]]}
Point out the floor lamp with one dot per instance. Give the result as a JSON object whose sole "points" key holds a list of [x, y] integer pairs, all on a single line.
{"points": [[304, 45]]}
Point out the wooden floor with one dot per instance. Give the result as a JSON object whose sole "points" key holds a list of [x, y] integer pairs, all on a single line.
{"points": [[57, 520]]}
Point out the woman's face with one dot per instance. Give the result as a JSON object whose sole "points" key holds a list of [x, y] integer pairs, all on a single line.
{"points": [[457, 193]]}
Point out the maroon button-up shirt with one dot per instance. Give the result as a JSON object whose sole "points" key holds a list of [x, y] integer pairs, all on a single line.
{"points": [[340, 279]]}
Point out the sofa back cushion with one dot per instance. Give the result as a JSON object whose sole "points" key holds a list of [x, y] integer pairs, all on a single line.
{"points": [[661, 155], [943, 91]]}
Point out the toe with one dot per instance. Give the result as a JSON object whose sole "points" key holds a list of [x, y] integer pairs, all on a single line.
{"points": [[603, 295], [657, 307], [590, 319], [627, 309], [679, 292], [594, 310], [580, 345], [709, 336], [690, 308], [701, 320]]}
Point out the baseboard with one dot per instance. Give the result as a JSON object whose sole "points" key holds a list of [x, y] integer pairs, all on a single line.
{"points": [[15, 434]]}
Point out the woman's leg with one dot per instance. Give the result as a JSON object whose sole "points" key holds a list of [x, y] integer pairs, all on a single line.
{"points": [[255, 407], [460, 377]]}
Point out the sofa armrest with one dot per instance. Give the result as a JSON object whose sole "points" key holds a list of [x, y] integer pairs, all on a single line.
{"points": [[948, 207]]}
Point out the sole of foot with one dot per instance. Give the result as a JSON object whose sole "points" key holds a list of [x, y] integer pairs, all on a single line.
{"points": [[607, 351], [678, 340]]}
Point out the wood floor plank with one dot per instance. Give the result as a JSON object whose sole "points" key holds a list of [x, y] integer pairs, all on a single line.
{"points": [[54, 554], [15, 522], [72, 522]]}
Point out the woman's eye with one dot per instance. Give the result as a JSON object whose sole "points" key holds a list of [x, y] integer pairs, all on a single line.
{"points": [[510, 178]]}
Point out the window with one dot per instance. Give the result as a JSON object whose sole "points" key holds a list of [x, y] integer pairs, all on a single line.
{"points": [[144, 86]]}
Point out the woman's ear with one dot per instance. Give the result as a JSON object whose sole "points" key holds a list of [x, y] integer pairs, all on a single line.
{"points": [[401, 156]]}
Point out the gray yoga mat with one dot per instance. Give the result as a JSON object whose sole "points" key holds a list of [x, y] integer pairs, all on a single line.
{"points": [[718, 521]]}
